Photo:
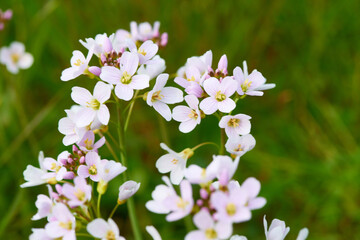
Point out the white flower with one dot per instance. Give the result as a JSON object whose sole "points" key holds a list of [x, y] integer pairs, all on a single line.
{"points": [[62, 225], [303, 234], [153, 232], [237, 237], [153, 68], [99, 228], [97, 45], [235, 125], [33, 175], [39, 234], [252, 84], [79, 65], [128, 189], [93, 105], [173, 162], [277, 230], [15, 57], [146, 51], [239, 145], [159, 195], [110, 170], [160, 96], [44, 206], [188, 116]]}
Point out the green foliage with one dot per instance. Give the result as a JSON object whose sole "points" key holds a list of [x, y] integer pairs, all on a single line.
{"points": [[307, 155]]}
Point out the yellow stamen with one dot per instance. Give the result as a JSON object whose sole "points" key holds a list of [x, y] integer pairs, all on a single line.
{"points": [[66, 225], [94, 104], [230, 209], [193, 114], [210, 233], [156, 96], [79, 195], [245, 86], [192, 79], [92, 170], [110, 235], [220, 96], [174, 161], [15, 57], [126, 78], [238, 149], [233, 122], [78, 62], [88, 143], [142, 51], [181, 203]]}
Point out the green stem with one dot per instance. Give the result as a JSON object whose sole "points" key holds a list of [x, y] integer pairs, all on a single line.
{"points": [[114, 210], [188, 223], [111, 150], [130, 110], [222, 141], [130, 202], [203, 144], [98, 205]]}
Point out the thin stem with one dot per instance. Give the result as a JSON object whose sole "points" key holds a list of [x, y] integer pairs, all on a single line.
{"points": [[111, 150], [114, 210], [203, 144], [222, 141], [130, 201], [98, 205], [84, 235], [130, 110], [188, 223]]}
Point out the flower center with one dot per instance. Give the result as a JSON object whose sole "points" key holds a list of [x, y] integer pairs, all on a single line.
{"points": [[55, 167], [234, 122], [174, 161], [92, 170], [78, 62], [110, 235], [220, 96], [15, 57], [88, 144], [181, 203], [192, 79], [246, 85], [66, 225], [210, 233], [230, 209], [94, 104], [79, 195], [203, 173], [142, 51], [156, 96], [238, 149], [126, 78], [193, 114]]}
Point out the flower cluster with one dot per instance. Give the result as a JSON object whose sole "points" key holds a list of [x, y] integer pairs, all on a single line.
{"points": [[4, 17]]}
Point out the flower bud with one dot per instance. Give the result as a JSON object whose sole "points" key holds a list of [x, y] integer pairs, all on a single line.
{"points": [[127, 189], [101, 187]]}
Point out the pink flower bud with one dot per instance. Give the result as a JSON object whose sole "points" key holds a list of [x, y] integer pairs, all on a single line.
{"points": [[7, 14], [95, 70], [224, 178], [69, 175], [204, 194], [75, 148], [63, 161], [199, 202], [107, 45], [164, 39], [82, 160]]}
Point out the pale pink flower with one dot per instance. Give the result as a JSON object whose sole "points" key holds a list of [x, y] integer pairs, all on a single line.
{"points": [[277, 229], [35, 176], [99, 45], [188, 116], [124, 78], [99, 228], [92, 167], [78, 194], [79, 65], [303, 234], [63, 223], [159, 195], [44, 205], [15, 57], [93, 105], [144, 31], [237, 237], [239, 145], [252, 84], [110, 170], [57, 170], [160, 96], [222, 66], [88, 144], [153, 232], [208, 228], [180, 206], [219, 95], [128, 189], [153, 68], [231, 207], [202, 63], [39, 234], [67, 126], [199, 175], [252, 188], [173, 162], [235, 125], [224, 167], [145, 52], [192, 81]]}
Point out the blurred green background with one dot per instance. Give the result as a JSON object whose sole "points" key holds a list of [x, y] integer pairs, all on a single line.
{"points": [[307, 129]]}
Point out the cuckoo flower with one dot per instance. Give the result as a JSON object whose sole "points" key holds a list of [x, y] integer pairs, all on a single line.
{"points": [[252, 188], [110, 169], [224, 167], [277, 230], [99, 45], [93, 105], [252, 84], [231, 207], [198, 175], [202, 63], [33, 175], [87, 143], [146, 51], [63, 224], [91, 169], [79, 65], [237, 237], [99, 228], [15, 57], [57, 170], [219, 95], [160, 96], [159, 195], [180, 206], [222, 66], [173, 162], [39, 234], [208, 228], [67, 126], [239, 145], [235, 125], [153, 68], [153, 232], [192, 81], [144, 31], [127, 190], [44, 205], [124, 78], [188, 116], [77, 194], [4, 17]]}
